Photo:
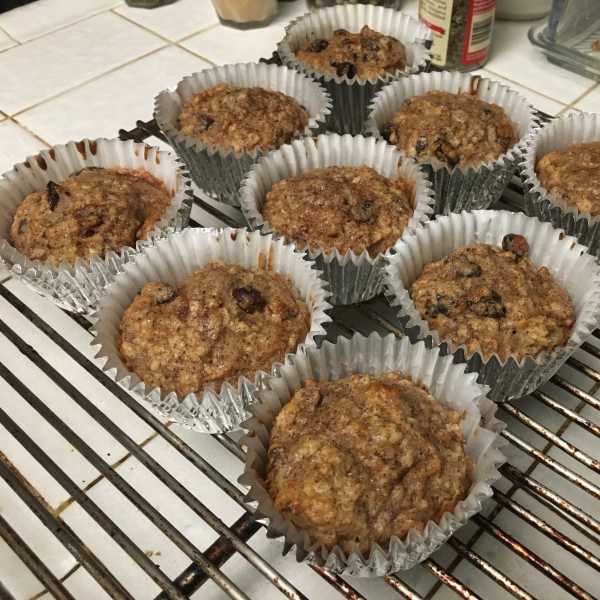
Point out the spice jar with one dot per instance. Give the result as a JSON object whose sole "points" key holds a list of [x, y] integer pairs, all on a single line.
{"points": [[245, 14], [462, 32], [314, 4]]}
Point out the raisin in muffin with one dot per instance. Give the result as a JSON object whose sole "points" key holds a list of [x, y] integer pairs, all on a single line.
{"points": [[242, 118], [220, 323], [91, 212], [340, 208], [452, 129], [367, 54], [573, 175], [356, 461], [494, 300]]}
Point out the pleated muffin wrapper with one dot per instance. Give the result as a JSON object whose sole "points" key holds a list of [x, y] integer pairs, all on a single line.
{"points": [[352, 277], [76, 287], [351, 96], [175, 258], [219, 171], [572, 129], [374, 355], [475, 187], [567, 261]]}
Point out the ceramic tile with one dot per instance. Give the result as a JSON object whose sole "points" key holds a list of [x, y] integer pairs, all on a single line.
{"points": [[63, 59], [33, 20], [112, 102], [590, 102], [570, 110], [223, 45], [6, 41], [82, 587], [539, 101], [16, 144], [512, 56], [16, 577], [174, 21]]}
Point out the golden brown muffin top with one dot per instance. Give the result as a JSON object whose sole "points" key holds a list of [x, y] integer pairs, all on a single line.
{"points": [[573, 175], [453, 129], [355, 461], [368, 54], [222, 322], [243, 118], [91, 212], [340, 207], [494, 300]]}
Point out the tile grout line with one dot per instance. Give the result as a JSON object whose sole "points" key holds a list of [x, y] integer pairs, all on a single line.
{"points": [[187, 37], [95, 78], [196, 55], [158, 35], [35, 135], [10, 36], [62, 579], [579, 99]]}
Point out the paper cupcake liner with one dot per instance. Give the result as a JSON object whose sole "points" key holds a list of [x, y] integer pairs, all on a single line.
{"points": [[477, 186], [76, 287], [175, 258], [219, 171], [351, 97], [566, 260], [375, 355], [352, 278], [572, 129]]}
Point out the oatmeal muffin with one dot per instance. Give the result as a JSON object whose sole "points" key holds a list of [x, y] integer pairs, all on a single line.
{"points": [[573, 175], [494, 300], [242, 118], [453, 129], [220, 323], [367, 54], [358, 460], [340, 207], [89, 213]]}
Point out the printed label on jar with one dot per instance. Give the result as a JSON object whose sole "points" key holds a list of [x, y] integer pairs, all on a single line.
{"points": [[480, 21], [437, 15]]}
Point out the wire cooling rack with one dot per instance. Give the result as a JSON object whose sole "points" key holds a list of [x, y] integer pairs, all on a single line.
{"points": [[161, 515]]}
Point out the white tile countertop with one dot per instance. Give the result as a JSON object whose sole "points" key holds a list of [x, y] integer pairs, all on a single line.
{"points": [[71, 69]]}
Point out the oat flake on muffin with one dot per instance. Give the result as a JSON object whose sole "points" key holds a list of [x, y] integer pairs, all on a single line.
{"points": [[220, 323], [91, 212]]}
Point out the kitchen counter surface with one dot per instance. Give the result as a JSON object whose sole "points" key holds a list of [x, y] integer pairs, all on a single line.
{"points": [[71, 69]]}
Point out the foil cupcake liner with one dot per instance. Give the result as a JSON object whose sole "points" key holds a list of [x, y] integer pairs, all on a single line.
{"points": [[219, 171], [352, 278], [567, 261], [374, 355], [572, 129], [477, 186], [76, 287], [175, 258], [351, 97]]}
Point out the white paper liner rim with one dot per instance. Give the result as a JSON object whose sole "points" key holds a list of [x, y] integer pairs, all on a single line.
{"points": [[77, 286], [446, 381], [171, 260], [387, 21], [327, 150], [567, 261]]}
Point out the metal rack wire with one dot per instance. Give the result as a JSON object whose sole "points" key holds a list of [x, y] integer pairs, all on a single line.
{"points": [[553, 436]]}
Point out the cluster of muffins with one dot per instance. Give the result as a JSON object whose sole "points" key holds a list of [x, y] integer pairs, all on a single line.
{"points": [[366, 468]]}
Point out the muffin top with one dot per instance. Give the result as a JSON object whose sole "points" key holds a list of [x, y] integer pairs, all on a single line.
{"points": [[340, 207], [366, 54], [573, 175], [494, 300], [453, 129], [355, 461], [242, 118], [91, 212], [220, 323]]}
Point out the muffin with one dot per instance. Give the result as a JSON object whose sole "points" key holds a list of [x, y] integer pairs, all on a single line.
{"points": [[452, 129], [340, 207], [495, 301], [356, 461], [573, 175], [242, 118], [367, 54], [93, 211], [219, 324]]}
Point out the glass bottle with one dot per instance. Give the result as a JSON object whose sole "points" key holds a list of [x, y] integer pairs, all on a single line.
{"points": [[245, 14]]}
